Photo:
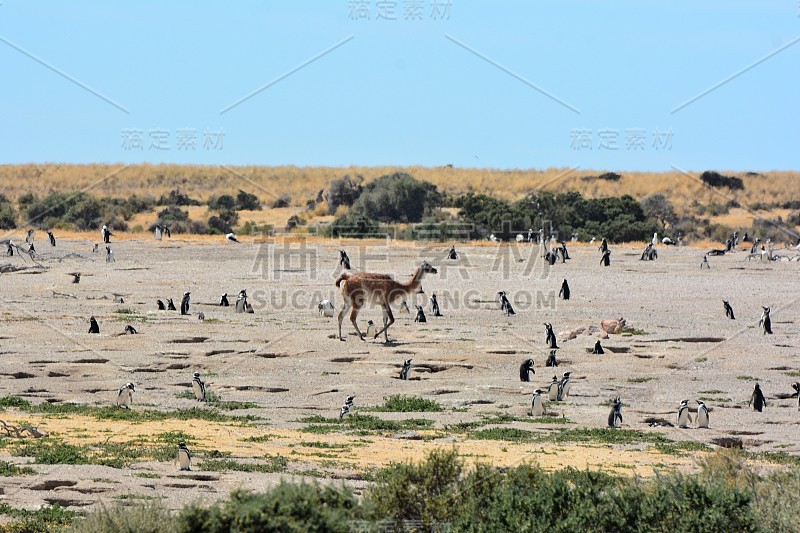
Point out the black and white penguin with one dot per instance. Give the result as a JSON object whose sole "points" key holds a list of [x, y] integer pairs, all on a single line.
{"points": [[232, 237], [347, 407], [10, 249], [564, 292], [606, 259], [564, 386], [704, 263], [110, 255], [551, 359], [796, 387], [452, 254], [52, 238], [29, 237], [170, 305], [615, 416], [199, 388], [552, 390], [130, 330], [765, 323], [93, 326], [757, 399], [185, 303], [525, 370], [344, 260], [435, 305], [405, 370], [184, 457], [161, 306], [325, 308], [420, 315], [505, 304], [537, 405], [106, 233], [702, 414], [76, 277], [241, 302], [223, 302], [371, 329], [550, 339], [125, 396], [728, 310], [598, 348], [684, 418]]}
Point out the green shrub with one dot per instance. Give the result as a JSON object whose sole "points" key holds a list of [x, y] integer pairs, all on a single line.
{"points": [[152, 518], [409, 404]]}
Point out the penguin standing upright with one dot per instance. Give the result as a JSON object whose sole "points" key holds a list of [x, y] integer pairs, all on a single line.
{"points": [[199, 387], [604, 245], [29, 237], [93, 326], [185, 303], [125, 396], [757, 399], [223, 302], [420, 315], [241, 302], [552, 390], [564, 386], [551, 359], [525, 370], [452, 254], [10, 249], [435, 305], [537, 405], [106, 233], [161, 306], [505, 304], [170, 305], [110, 255], [564, 292], [765, 322], [52, 238], [684, 418], [347, 407], [615, 416], [344, 260], [796, 387], [550, 339], [704, 263], [371, 329], [606, 259], [702, 414], [728, 310], [405, 370], [598, 348], [184, 457]]}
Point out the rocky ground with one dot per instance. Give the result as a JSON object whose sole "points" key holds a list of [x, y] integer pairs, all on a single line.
{"points": [[280, 375]]}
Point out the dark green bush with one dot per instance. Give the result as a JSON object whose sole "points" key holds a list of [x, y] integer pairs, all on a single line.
{"points": [[398, 197], [715, 179]]}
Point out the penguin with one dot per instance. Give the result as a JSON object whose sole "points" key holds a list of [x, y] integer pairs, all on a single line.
{"points": [[370, 330], [728, 310], [435, 305], [598, 348], [796, 387], [130, 330], [109, 255], [551, 359], [606, 259], [702, 414], [537, 405], [201, 316], [406, 369], [184, 457], [615, 416], [563, 387], [199, 388], [552, 390], [347, 407], [684, 418], [564, 253], [404, 307], [157, 232], [420, 315], [550, 340], [10, 249], [704, 263], [29, 237], [76, 277], [344, 261], [241, 302], [96, 248], [93, 327], [106, 233], [452, 254], [223, 302], [505, 304], [232, 237], [52, 238], [125, 396], [564, 292], [31, 250], [170, 305], [603, 245], [166, 231], [118, 299], [185, 303], [646, 254], [765, 322], [757, 399], [161, 306], [525, 370], [325, 308]]}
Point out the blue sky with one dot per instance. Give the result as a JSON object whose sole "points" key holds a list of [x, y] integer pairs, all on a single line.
{"points": [[474, 84]]}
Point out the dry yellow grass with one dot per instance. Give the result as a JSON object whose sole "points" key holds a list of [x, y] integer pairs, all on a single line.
{"points": [[302, 183]]}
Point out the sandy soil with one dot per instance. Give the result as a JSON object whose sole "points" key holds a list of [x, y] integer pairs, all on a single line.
{"points": [[284, 357]]}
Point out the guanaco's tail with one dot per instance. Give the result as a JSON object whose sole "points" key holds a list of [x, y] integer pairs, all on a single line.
{"points": [[344, 277]]}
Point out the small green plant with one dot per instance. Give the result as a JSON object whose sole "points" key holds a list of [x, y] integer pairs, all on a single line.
{"points": [[10, 469], [14, 401], [409, 404], [273, 464], [640, 380]]}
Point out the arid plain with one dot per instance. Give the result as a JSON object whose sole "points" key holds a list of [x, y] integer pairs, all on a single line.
{"points": [[290, 375]]}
